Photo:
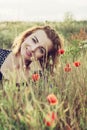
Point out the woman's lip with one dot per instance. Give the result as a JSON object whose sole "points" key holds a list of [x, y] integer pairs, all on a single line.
{"points": [[28, 53]]}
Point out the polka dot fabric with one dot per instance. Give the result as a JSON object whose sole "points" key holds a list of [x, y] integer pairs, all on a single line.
{"points": [[3, 55]]}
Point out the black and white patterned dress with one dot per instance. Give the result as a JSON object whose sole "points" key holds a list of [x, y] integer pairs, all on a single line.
{"points": [[3, 55]]}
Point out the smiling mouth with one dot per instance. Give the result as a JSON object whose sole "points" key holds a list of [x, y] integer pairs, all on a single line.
{"points": [[28, 53]]}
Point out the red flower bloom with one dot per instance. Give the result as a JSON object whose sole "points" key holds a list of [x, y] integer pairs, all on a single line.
{"points": [[35, 77], [50, 119], [52, 99], [67, 69], [77, 63], [61, 51]]}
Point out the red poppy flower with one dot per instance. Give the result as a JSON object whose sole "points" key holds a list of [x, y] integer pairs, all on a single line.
{"points": [[61, 51], [50, 119], [35, 77], [67, 69], [52, 99], [77, 63]]}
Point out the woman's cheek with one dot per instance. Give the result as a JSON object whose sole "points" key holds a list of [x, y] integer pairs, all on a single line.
{"points": [[38, 55]]}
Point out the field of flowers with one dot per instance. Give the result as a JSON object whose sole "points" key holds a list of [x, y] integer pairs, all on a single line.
{"points": [[48, 102]]}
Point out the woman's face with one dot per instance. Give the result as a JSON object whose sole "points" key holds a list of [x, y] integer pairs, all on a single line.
{"points": [[36, 45]]}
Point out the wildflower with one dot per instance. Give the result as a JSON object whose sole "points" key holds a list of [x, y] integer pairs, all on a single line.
{"points": [[67, 68], [77, 63], [61, 51], [35, 77], [50, 119], [52, 99]]}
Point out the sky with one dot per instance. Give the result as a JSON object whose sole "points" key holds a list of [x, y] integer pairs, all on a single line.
{"points": [[42, 10]]}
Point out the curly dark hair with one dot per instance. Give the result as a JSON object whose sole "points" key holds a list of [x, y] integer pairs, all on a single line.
{"points": [[57, 44]]}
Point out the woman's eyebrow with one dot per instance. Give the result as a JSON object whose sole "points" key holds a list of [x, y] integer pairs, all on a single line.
{"points": [[36, 39]]}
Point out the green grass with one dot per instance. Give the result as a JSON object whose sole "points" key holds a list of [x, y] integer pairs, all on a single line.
{"points": [[26, 109]]}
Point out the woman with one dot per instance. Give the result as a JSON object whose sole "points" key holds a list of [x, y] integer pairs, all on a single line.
{"points": [[40, 44]]}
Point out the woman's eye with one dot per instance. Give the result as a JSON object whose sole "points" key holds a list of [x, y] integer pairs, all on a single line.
{"points": [[42, 50], [34, 40]]}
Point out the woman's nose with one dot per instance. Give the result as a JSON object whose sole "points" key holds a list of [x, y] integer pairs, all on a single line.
{"points": [[34, 47]]}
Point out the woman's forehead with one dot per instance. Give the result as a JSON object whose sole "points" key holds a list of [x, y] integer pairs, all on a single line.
{"points": [[41, 34]]}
